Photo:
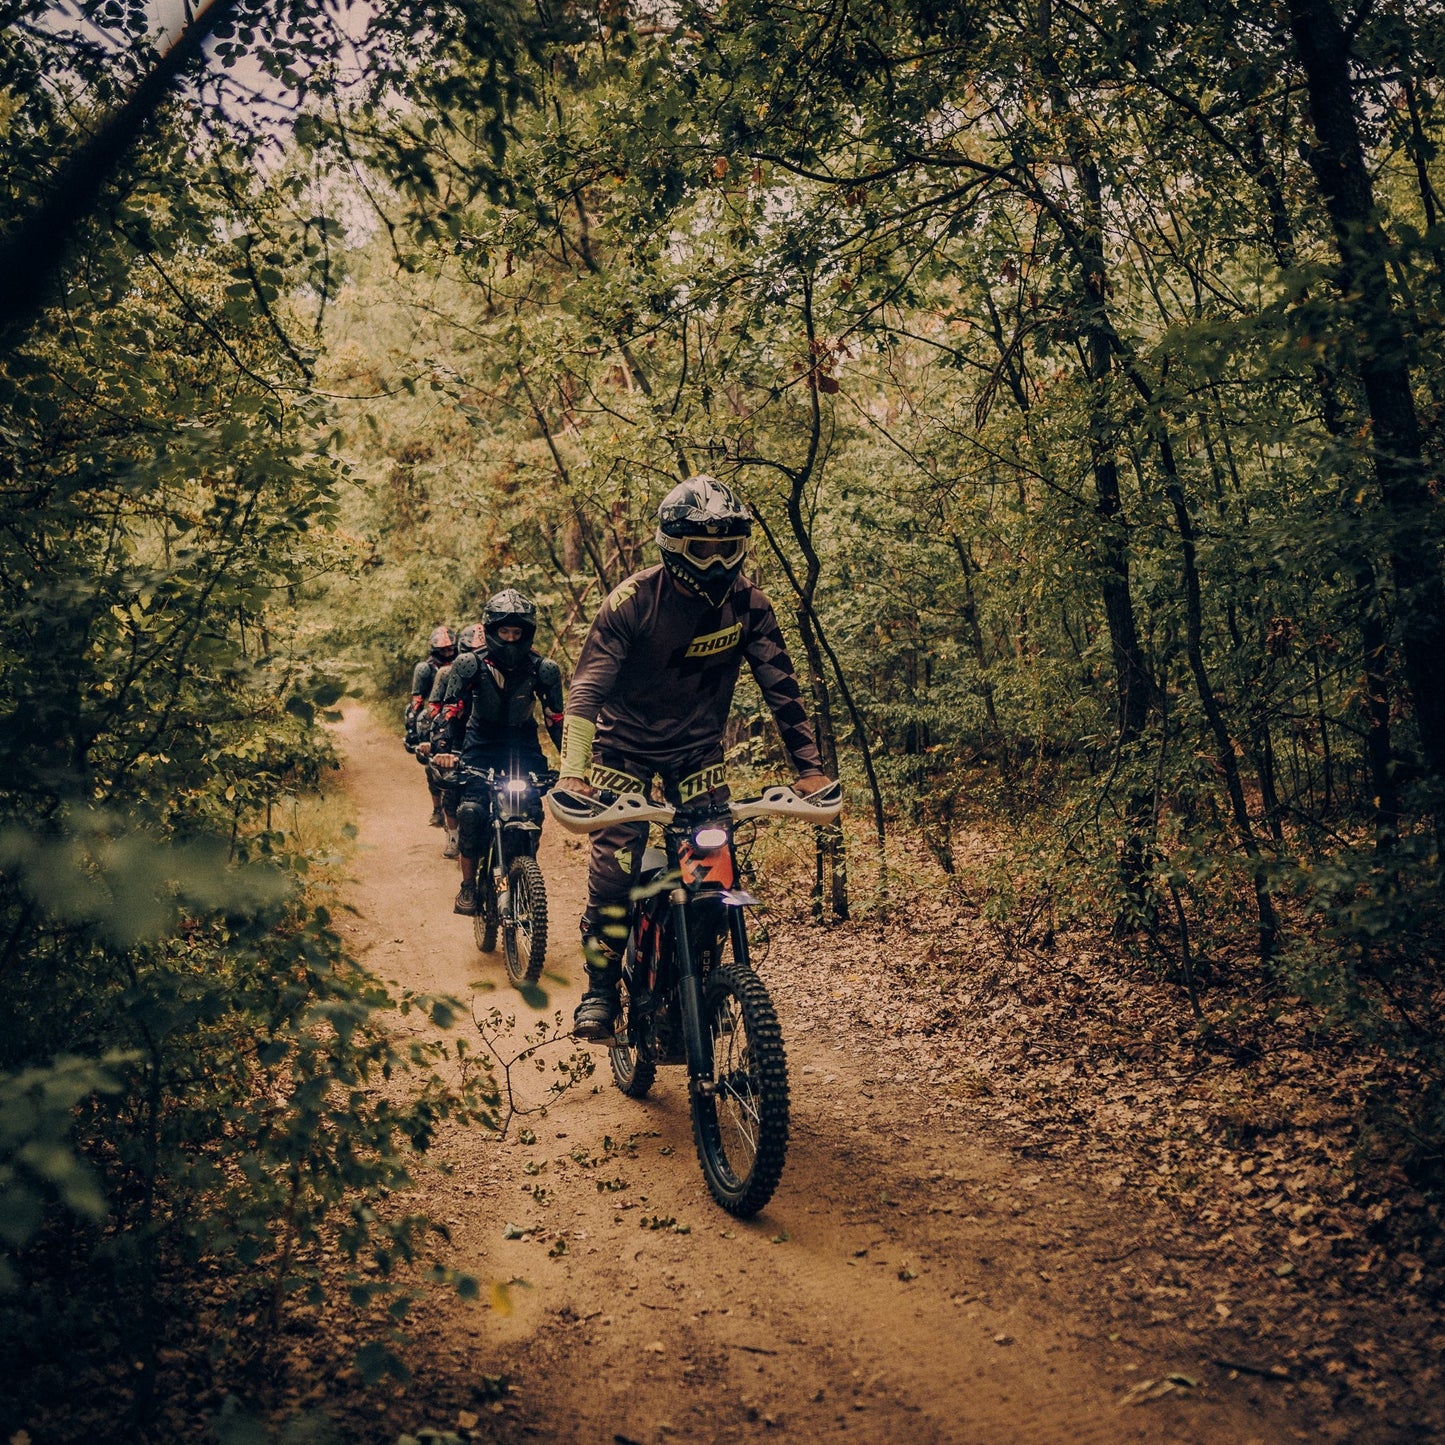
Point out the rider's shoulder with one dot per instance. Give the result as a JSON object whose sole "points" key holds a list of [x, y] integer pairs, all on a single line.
{"points": [[629, 588], [465, 666], [547, 670], [748, 596]]}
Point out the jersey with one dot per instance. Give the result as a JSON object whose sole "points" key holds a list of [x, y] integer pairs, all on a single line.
{"points": [[659, 667]]}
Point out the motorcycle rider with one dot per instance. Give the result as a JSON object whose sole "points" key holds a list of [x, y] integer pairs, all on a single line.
{"points": [[437, 746], [443, 647], [488, 719], [653, 688]]}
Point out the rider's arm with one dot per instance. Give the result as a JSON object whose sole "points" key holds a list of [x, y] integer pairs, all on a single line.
{"points": [[603, 653], [449, 729], [420, 684], [767, 656], [549, 694]]}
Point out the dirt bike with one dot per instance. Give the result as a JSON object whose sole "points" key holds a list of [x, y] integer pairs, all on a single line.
{"points": [[690, 995], [511, 893]]}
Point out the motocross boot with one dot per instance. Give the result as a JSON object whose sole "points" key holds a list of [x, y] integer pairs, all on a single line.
{"points": [[466, 900], [596, 1018]]}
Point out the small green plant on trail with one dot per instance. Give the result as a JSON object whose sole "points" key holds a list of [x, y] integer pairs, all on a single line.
{"points": [[498, 1032]]}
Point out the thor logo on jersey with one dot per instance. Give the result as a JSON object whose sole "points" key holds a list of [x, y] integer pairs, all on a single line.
{"points": [[711, 644]]}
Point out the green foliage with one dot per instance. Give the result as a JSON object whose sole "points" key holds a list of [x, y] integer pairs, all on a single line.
{"points": [[205, 1118], [1033, 358]]}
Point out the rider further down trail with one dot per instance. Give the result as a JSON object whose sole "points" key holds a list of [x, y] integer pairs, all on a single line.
{"points": [[909, 1281]]}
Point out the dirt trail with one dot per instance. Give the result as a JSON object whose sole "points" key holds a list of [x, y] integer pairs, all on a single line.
{"points": [[911, 1280]]}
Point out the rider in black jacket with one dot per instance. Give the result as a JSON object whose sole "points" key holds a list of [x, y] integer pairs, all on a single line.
{"points": [[487, 718], [443, 649]]}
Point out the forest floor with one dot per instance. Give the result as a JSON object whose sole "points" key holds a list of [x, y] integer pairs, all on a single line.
{"points": [[991, 1228]]}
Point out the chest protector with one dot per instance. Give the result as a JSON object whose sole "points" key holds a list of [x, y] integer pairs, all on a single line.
{"points": [[500, 703]]}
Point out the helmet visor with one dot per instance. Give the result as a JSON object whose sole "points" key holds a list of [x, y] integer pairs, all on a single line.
{"points": [[706, 553]]}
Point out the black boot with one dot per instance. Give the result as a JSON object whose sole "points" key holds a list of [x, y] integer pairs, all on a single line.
{"points": [[596, 1016], [466, 900]]}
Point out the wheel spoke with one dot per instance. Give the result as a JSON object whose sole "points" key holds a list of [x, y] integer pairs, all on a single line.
{"points": [[739, 1118]]}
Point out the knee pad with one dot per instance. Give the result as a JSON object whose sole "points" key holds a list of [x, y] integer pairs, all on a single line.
{"points": [[471, 828]]}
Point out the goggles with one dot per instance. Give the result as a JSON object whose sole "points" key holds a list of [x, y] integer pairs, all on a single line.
{"points": [[707, 552]]}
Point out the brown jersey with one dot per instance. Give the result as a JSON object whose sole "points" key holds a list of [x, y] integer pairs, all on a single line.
{"points": [[660, 664]]}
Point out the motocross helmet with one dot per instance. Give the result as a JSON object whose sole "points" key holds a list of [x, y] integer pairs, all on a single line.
{"points": [[509, 609], [703, 529], [470, 638], [443, 645]]}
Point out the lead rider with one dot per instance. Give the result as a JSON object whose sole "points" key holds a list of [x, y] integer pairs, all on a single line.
{"points": [[651, 695]]}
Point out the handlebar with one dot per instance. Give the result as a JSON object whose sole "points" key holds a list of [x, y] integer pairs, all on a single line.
{"points": [[462, 774], [578, 813]]}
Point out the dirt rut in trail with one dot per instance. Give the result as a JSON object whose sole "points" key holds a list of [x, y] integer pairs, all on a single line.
{"points": [[911, 1281]]}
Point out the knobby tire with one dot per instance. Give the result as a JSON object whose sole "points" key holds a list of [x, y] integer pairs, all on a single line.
{"points": [[484, 920], [741, 1130], [525, 938]]}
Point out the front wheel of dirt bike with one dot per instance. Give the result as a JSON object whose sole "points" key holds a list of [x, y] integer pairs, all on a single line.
{"points": [[524, 938], [741, 1129], [484, 920]]}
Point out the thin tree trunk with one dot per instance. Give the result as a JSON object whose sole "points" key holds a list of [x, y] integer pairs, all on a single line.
{"points": [[35, 246], [1135, 681]]}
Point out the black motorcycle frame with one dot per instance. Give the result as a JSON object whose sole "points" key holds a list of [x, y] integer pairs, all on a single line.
{"points": [[668, 931]]}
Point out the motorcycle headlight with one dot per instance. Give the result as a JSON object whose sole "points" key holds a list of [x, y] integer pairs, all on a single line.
{"points": [[517, 785], [710, 838]]}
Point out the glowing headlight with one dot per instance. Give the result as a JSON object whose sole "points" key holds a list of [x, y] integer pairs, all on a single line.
{"points": [[710, 837], [517, 785]]}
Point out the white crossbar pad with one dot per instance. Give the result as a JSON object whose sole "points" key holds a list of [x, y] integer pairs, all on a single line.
{"points": [[782, 802], [579, 814]]}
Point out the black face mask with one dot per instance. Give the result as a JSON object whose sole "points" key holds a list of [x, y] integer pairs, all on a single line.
{"points": [[509, 656]]}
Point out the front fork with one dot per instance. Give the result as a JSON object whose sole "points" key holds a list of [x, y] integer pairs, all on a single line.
{"points": [[499, 868], [689, 987]]}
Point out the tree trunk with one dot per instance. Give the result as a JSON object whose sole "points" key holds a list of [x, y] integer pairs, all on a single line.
{"points": [[37, 244], [1135, 681], [1338, 161]]}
